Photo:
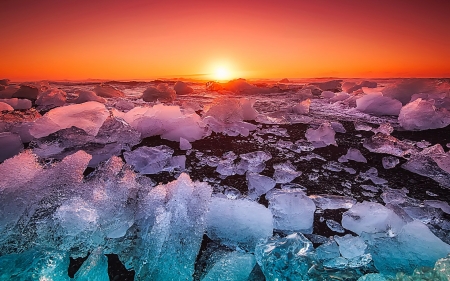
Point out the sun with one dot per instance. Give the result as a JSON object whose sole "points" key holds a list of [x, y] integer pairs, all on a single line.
{"points": [[222, 73]]}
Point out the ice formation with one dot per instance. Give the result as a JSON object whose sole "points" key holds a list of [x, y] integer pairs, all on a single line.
{"points": [[107, 91], [17, 104], [182, 88], [88, 116], [5, 106], [322, 136], [423, 115], [152, 160], [10, 145], [258, 184], [161, 93], [354, 155], [26, 92], [52, 98], [85, 96], [379, 105]]}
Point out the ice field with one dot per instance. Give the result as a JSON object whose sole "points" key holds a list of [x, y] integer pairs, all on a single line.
{"points": [[170, 180]]}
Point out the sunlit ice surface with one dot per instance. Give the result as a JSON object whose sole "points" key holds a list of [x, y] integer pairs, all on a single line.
{"points": [[288, 179]]}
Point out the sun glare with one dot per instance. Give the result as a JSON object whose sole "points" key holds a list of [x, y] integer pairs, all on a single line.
{"points": [[222, 73]]}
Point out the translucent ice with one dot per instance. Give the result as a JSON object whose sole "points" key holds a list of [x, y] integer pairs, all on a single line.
{"points": [[353, 154], [253, 162], [372, 217], [381, 143], [108, 91], [85, 96], [230, 110], [185, 144], [238, 222], [258, 184], [52, 98], [231, 267], [302, 107], [5, 107], [10, 145], [152, 160], [335, 226], [423, 115], [288, 258], [94, 268], [327, 201], [322, 136], [17, 171], [171, 220], [292, 210], [87, 116], [379, 105], [17, 104], [285, 172], [350, 246]]}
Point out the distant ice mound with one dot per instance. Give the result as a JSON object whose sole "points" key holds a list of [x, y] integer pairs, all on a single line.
{"points": [[87, 116], [107, 91], [85, 96], [27, 92], [6, 92], [52, 98], [377, 104], [161, 93], [182, 88], [238, 86], [423, 115], [17, 104], [167, 121], [405, 89], [350, 87]]}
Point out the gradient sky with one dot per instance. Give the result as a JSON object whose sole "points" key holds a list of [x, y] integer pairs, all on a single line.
{"points": [[81, 39]]}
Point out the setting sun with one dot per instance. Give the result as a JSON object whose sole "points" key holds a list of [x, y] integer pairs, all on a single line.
{"points": [[222, 73]]}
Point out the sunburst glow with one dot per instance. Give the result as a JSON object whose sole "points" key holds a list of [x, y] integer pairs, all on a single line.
{"points": [[222, 73]]}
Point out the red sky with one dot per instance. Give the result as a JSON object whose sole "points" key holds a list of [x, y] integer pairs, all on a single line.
{"points": [[80, 39]]}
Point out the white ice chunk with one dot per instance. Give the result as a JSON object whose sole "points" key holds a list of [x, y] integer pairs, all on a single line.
{"points": [[17, 171], [87, 116], [258, 185], [332, 202], [161, 93], [285, 172], [85, 96], [322, 136], [302, 107], [372, 217], [52, 97], [152, 160], [350, 246], [238, 222], [353, 154], [377, 104], [423, 115], [292, 210], [185, 144]]}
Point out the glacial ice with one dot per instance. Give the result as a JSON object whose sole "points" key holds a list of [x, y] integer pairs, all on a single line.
{"points": [[161, 93], [252, 162], [238, 222], [302, 107], [182, 88], [94, 268], [10, 145], [332, 202], [353, 154], [232, 266], [52, 98], [322, 136], [381, 143], [5, 107], [88, 116], [29, 92], [258, 185], [350, 246], [292, 210], [18, 104], [152, 160], [85, 96], [107, 91], [423, 115], [285, 172], [377, 104]]}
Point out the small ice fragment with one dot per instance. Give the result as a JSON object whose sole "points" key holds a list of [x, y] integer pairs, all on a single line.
{"points": [[322, 136], [332, 202], [350, 246], [390, 162], [353, 154], [285, 172], [258, 185], [335, 226], [185, 144]]}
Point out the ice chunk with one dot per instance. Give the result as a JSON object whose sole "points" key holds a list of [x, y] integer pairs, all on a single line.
{"points": [[94, 268], [332, 202], [353, 154], [171, 220], [185, 144], [426, 163], [285, 172], [52, 97], [152, 160], [332, 85], [161, 93], [423, 115], [444, 206], [335, 226], [323, 136], [258, 185], [292, 210], [238, 222], [248, 112], [232, 266], [340, 97], [76, 216], [381, 143], [182, 88], [108, 91], [35, 264], [302, 107], [87, 116], [327, 94], [404, 89], [338, 127], [85, 96], [390, 162], [350, 246], [288, 258], [124, 105], [328, 251], [17, 171], [26, 92], [230, 110], [372, 217], [17, 104], [10, 145], [5, 107], [253, 162], [377, 104], [415, 246], [384, 128], [372, 174]]}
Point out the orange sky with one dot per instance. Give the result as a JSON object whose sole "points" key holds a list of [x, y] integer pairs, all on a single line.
{"points": [[146, 39]]}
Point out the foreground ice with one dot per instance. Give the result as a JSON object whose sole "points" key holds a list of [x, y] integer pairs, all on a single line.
{"points": [[231, 267], [88, 116], [378, 105], [423, 115], [152, 160], [322, 136]]}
